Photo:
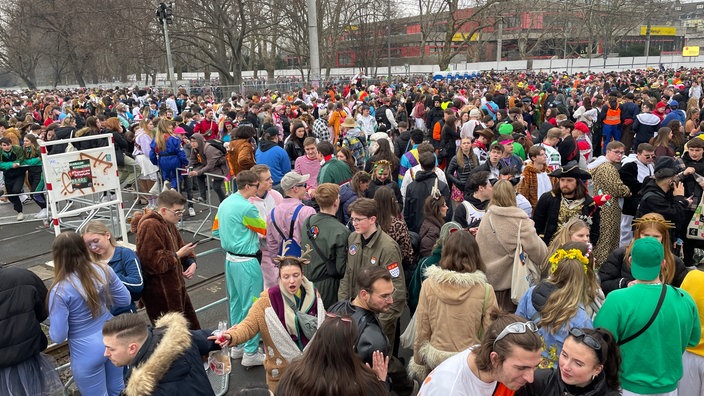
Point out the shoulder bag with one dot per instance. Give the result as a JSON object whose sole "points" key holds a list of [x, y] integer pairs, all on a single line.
{"points": [[522, 275], [650, 321]]}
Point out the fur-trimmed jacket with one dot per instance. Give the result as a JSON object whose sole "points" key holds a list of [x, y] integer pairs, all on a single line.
{"points": [[279, 347], [449, 316], [169, 362]]}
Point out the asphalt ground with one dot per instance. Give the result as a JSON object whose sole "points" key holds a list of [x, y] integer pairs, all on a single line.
{"points": [[27, 244]]}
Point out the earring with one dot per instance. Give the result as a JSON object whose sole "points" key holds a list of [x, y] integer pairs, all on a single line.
{"points": [[593, 376]]}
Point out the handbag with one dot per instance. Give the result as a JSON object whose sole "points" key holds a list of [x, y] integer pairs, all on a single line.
{"points": [[409, 335], [70, 147], [695, 228]]}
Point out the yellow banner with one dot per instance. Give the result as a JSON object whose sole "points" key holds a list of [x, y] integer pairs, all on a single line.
{"points": [[690, 51], [463, 37], [658, 31]]}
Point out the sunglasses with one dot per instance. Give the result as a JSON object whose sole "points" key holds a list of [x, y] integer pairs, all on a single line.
{"points": [[516, 328], [176, 212], [342, 318], [588, 340]]}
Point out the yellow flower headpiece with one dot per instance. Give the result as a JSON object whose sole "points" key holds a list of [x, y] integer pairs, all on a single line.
{"points": [[572, 254]]}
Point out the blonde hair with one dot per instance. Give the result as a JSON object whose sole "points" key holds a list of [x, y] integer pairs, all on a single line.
{"points": [[575, 287], [97, 227], [564, 236], [163, 128], [503, 194]]}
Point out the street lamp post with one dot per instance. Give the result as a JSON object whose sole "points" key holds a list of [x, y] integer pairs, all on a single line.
{"points": [[165, 15]]}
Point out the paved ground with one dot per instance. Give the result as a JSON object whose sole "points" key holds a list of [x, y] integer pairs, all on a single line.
{"points": [[27, 244]]}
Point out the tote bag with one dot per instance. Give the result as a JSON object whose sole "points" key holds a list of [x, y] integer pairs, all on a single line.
{"points": [[695, 228], [521, 276]]}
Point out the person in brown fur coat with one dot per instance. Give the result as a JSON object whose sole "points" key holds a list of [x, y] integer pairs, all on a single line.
{"points": [[166, 259]]}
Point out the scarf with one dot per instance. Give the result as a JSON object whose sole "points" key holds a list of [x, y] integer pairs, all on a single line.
{"points": [[294, 320]]}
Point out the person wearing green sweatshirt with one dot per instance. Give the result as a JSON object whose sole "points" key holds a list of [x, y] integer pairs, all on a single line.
{"points": [[652, 355]]}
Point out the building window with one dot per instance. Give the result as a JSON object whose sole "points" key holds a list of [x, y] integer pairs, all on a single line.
{"points": [[678, 8], [700, 6]]}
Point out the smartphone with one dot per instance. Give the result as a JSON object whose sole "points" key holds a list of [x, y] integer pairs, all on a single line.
{"points": [[201, 240]]}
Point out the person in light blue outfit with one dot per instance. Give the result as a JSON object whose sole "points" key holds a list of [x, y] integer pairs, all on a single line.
{"points": [[80, 299], [238, 224], [558, 303]]}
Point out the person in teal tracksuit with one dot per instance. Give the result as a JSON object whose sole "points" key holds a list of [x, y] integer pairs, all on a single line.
{"points": [[238, 224]]}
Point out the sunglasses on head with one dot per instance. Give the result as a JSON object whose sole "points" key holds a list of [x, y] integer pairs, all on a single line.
{"points": [[346, 319], [516, 328], [588, 340]]}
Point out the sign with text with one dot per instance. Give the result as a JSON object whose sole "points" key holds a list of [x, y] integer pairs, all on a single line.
{"points": [[79, 173], [659, 31], [690, 51]]}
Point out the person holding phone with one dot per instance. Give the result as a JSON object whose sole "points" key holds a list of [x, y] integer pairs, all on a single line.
{"points": [[166, 259], [664, 194]]}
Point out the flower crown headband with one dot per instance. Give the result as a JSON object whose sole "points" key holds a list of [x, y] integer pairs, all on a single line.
{"points": [[572, 254]]}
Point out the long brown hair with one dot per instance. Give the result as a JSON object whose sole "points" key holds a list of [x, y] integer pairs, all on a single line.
{"points": [[471, 155], [387, 207], [329, 365], [71, 257], [460, 253]]}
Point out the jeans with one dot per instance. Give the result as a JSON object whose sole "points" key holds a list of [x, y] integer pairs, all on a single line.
{"points": [[217, 187]]}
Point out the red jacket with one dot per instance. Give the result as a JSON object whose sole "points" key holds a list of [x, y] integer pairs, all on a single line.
{"points": [[209, 129]]}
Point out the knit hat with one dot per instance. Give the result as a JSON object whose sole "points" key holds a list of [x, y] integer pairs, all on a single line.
{"points": [[179, 131], [660, 105], [673, 103], [664, 167], [505, 129], [475, 113], [647, 254]]}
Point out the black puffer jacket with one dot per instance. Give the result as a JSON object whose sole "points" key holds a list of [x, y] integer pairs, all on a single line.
{"points": [[615, 274], [547, 382], [417, 192], [22, 309]]}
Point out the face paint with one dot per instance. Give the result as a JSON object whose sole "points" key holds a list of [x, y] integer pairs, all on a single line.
{"points": [[93, 245]]}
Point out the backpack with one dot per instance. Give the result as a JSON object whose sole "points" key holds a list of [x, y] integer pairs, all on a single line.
{"points": [[357, 144], [288, 246], [218, 144], [381, 118]]}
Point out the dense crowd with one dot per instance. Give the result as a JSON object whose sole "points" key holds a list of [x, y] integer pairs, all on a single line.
{"points": [[542, 229]]}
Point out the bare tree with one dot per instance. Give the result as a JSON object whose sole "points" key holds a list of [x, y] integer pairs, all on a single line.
{"points": [[21, 43], [451, 25]]}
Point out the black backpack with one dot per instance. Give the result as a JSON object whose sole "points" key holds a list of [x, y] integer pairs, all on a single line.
{"points": [[218, 144]]}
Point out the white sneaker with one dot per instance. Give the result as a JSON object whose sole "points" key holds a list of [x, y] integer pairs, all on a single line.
{"points": [[236, 352], [24, 198], [42, 214], [192, 213], [20, 216], [253, 359]]}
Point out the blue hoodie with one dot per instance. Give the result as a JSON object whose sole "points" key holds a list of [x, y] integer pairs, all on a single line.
{"points": [[275, 157]]}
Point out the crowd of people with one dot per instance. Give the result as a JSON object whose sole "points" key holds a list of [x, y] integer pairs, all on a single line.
{"points": [[541, 228]]}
